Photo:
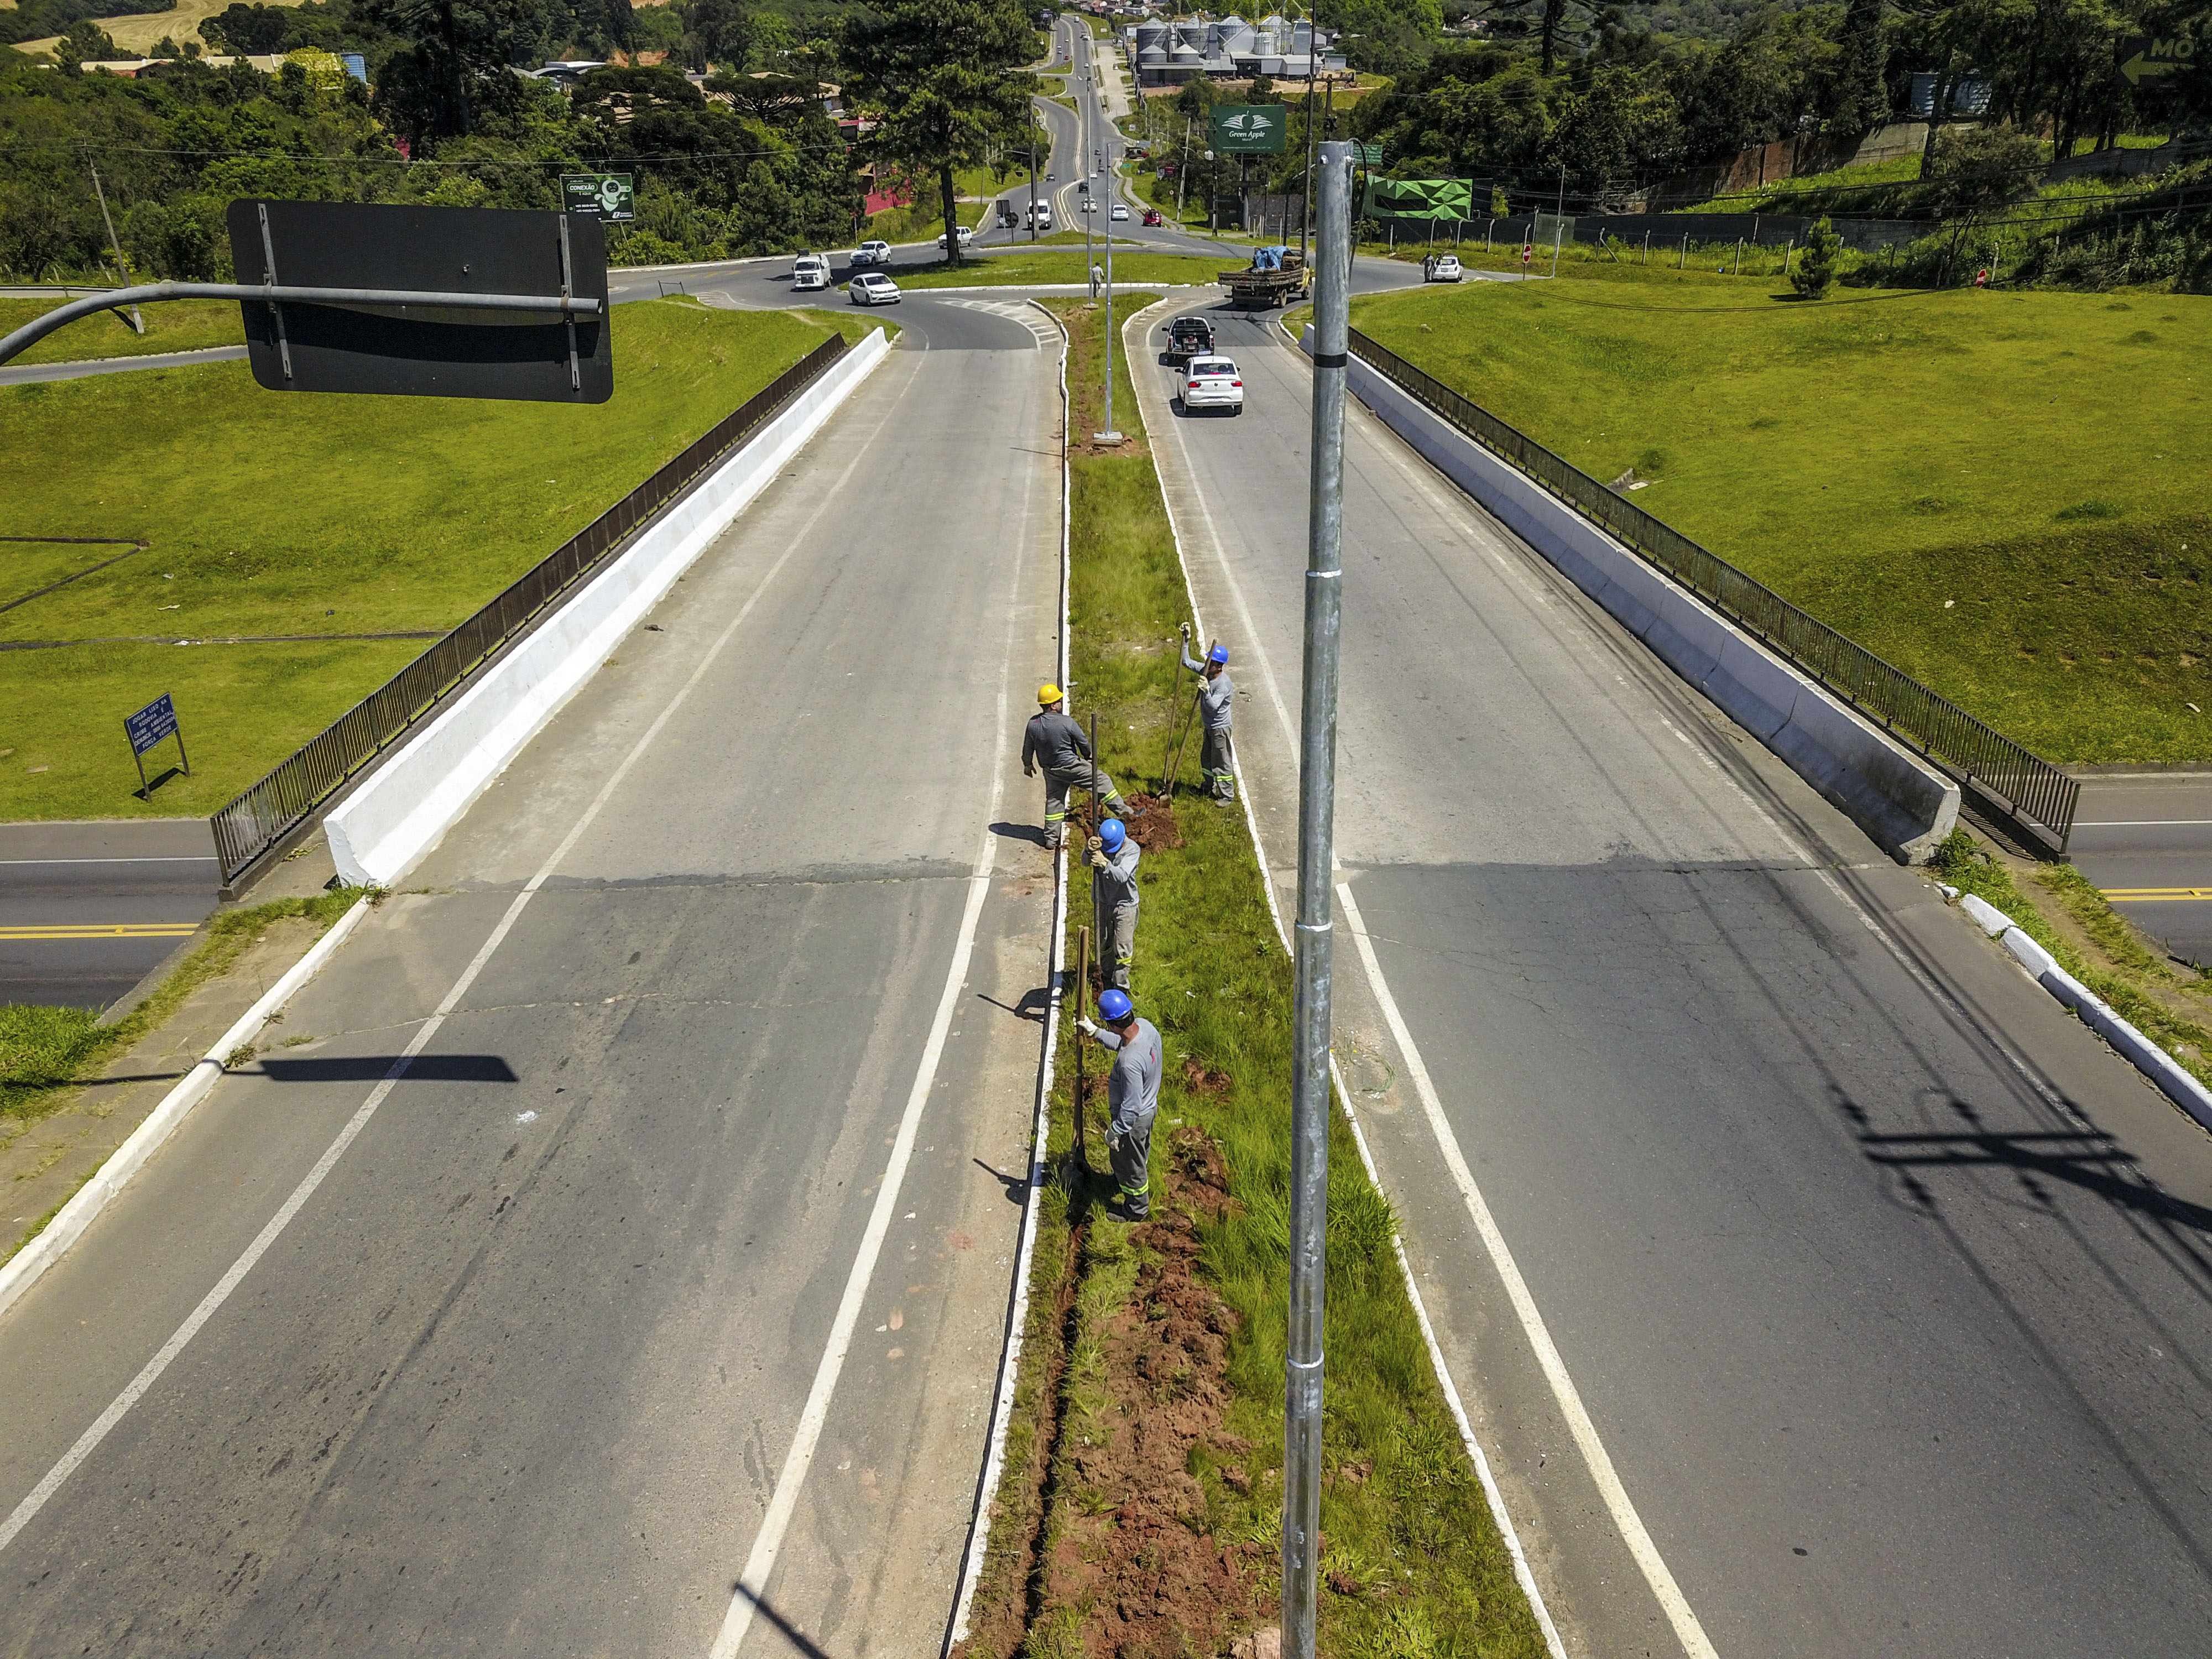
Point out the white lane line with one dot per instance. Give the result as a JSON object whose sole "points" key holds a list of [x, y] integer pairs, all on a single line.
{"points": [[1687, 1631], [768, 1543], [151, 1373]]}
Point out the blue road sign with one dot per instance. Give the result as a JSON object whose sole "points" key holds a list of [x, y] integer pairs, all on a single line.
{"points": [[150, 725]]}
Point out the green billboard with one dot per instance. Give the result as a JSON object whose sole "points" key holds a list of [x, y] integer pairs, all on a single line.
{"points": [[1248, 129], [608, 195], [1419, 198]]}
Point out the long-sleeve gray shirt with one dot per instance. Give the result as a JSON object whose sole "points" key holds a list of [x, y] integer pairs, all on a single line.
{"points": [[1214, 696], [1056, 742], [1132, 1089], [1117, 882]]}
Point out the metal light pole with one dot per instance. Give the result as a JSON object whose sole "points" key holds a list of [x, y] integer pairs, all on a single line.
{"points": [[1301, 1391], [1110, 435], [1305, 201]]}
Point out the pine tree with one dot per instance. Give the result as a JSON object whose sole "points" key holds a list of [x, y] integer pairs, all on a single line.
{"points": [[1817, 268]]}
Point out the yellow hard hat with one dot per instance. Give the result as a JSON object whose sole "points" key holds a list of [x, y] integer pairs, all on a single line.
{"points": [[1047, 695]]}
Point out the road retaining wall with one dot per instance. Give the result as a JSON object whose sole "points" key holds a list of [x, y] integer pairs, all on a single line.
{"points": [[1905, 805], [407, 805]]}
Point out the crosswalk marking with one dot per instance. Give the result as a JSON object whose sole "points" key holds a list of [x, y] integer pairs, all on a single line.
{"points": [[1040, 331]]}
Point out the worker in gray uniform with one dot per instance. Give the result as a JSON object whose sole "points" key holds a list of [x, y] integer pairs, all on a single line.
{"points": [[1133, 1096], [1053, 741], [1217, 756], [1113, 860]]}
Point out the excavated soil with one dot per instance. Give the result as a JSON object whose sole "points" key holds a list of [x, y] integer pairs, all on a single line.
{"points": [[1136, 1551], [1157, 829]]}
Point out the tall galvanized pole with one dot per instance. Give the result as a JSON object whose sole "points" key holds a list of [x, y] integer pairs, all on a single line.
{"points": [[1302, 1394]]}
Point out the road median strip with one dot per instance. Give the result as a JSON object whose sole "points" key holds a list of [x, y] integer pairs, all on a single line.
{"points": [[1139, 1497]]}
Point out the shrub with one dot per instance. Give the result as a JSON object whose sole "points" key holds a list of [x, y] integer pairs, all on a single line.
{"points": [[1818, 268]]}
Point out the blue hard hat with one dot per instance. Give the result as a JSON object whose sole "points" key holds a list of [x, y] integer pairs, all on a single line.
{"points": [[1111, 835], [1116, 1006], [1219, 653]]}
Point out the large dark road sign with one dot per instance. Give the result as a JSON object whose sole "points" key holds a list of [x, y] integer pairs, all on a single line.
{"points": [[2140, 57], [425, 351]]}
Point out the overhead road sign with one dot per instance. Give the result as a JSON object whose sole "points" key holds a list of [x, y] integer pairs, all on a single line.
{"points": [[2140, 57], [1419, 198], [530, 335], [1248, 129], [610, 197]]}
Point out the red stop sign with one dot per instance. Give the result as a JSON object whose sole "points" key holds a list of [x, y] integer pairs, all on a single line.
{"points": [[1527, 252]]}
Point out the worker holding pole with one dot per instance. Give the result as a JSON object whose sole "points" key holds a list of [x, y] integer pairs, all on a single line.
{"points": [[1113, 858], [1053, 741], [1217, 755], [1133, 1096]]}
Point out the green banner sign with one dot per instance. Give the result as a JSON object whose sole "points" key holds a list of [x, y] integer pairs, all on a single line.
{"points": [[608, 195], [1248, 129], [1370, 154], [1419, 198]]}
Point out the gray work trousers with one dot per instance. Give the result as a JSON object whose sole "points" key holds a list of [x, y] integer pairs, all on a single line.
{"points": [[1058, 787], [1216, 760], [1115, 930], [1130, 1155]]}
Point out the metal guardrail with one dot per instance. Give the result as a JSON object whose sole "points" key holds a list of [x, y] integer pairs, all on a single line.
{"points": [[2029, 791], [264, 814]]}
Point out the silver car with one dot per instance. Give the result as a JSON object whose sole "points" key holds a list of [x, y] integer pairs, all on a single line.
{"points": [[872, 287]]}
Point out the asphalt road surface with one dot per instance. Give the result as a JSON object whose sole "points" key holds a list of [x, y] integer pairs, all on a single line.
{"points": [[724, 1005], [1885, 1291], [86, 910], [2146, 839]]}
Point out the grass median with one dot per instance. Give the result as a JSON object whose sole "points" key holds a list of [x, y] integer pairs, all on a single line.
{"points": [[304, 527], [1141, 1507], [2000, 493]]}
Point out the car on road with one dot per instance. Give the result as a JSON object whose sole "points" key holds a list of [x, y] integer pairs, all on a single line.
{"points": [[1212, 383], [1041, 216], [1152, 216], [872, 287], [1052, 178], [1086, 203], [1120, 210], [872, 253], [1440, 268], [967, 235], [1190, 337], [809, 274]]}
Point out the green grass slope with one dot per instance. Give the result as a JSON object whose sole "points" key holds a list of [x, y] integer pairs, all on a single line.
{"points": [[2000, 493], [277, 515], [176, 325]]}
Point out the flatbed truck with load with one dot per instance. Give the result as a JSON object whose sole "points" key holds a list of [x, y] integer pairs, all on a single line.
{"points": [[1276, 277]]}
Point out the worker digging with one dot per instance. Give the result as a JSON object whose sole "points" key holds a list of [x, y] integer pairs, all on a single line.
{"points": [[1133, 1096], [1053, 741], [1217, 755], [1113, 855]]}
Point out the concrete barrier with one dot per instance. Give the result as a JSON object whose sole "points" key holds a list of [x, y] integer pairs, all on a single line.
{"points": [[409, 803], [1903, 803]]}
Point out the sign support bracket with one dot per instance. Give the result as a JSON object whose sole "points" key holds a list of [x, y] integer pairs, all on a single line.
{"points": [[269, 281]]}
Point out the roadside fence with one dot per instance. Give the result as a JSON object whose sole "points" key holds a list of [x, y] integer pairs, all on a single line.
{"points": [[253, 823], [2027, 791]]}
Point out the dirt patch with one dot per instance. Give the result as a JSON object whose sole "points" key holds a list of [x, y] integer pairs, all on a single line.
{"points": [[1156, 830], [1203, 1080], [1135, 1554]]}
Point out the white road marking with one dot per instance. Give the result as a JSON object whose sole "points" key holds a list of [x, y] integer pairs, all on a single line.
{"points": [[2142, 824], [806, 1438], [151, 1372], [1687, 1631]]}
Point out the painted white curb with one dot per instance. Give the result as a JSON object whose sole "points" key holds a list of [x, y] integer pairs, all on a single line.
{"points": [[71, 1221], [410, 801], [1903, 803], [2172, 1078], [1017, 1312]]}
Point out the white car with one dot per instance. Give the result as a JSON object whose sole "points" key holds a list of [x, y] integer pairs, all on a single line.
{"points": [[1212, 383], [809, 274], [872, 253], [872, 287], [1120, 210], [967, 235], [1440, 268]]}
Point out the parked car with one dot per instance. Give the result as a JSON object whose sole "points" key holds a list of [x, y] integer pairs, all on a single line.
{"points": [[1152, 216], [1190, 337], [872, 253], [967, 235], [809, 274], [1120, 210], [1212, 383], [1440, 268], [872, 287]]}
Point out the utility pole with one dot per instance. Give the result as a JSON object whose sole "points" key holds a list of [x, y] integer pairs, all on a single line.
{"points": [[1183, 173], [1302, 1390], [1032, 181], [1110, 435], [122, 269], [1305, 200]]}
